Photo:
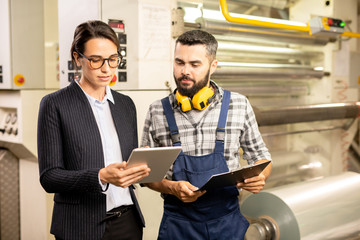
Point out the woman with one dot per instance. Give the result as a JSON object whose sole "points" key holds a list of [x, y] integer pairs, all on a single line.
{"points": [[86, 132]]}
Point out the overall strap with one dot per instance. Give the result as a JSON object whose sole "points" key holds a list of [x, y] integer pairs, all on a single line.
{"points": [[169, 113], [220, 131]]}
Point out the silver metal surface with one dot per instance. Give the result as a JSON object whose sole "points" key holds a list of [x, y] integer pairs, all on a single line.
{"points": [[276, 35], [256, 231], [256, 49], [279, 4], [326, 209], [270, 72], [294, 114], [265, 89], [307, 130]]}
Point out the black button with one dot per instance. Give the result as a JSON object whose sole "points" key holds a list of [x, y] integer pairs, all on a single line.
{"points": [[122, 77], [122, 38], [77, 75], [123, 51], [71, 77], [122, 64], [70, 65]]}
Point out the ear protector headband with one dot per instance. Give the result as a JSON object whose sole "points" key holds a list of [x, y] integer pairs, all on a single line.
{"points": [[200, 100]]}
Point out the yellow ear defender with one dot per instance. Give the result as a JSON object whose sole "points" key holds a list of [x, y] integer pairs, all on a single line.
{"points": [[200, 100], [184, 102]]}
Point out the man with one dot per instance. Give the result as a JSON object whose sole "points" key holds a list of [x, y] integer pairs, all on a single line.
{"points": [[210, 124]]}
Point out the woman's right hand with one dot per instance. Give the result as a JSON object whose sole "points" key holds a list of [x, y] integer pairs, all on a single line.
{"points": [[117, 174]]}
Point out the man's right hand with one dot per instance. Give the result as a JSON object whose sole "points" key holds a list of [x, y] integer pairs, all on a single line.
{"points": [[118, 175]]}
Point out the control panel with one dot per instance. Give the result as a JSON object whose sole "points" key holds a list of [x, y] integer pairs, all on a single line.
{"points": [[119, 27], [8, 125], [1, 74], [22, 47], [72, 72], [326, 26]]}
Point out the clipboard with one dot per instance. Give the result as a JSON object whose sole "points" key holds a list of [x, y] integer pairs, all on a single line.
{"points": [[233, 177], [158, 159]]}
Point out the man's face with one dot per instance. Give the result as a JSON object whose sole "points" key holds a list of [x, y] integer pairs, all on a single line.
{"points": [[192, 68]]}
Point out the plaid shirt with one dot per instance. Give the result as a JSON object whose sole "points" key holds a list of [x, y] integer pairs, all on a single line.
{"points": [[198, 129]]}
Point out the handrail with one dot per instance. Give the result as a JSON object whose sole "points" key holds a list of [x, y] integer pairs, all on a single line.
{"points": [[225, 12]]}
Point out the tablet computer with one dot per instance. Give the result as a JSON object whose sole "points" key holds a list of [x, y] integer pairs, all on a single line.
{"points": [[158, 160], [233, 177]]}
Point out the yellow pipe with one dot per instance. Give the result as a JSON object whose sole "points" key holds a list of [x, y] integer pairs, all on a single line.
{"points": [[350, 34], [225, 12], [227, 16]]}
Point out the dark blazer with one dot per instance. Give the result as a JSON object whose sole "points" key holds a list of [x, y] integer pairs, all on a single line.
{"points": [[70, 156]]}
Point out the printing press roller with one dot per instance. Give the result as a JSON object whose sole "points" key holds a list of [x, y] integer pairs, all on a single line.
{"points": [[327, 208]]}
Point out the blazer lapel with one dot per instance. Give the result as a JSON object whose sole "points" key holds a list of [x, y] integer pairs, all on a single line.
{"points": [[122, 123]]}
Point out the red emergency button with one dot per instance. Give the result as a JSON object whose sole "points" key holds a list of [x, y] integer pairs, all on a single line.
{"points": [[330, 22], [19, 80], [113, 81]]}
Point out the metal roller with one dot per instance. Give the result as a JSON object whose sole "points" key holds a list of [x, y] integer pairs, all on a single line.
{"points": [[276, 35], [240, 49], [279, 4], [269, 116], [326, 209], [277, 72], [266, 89]]}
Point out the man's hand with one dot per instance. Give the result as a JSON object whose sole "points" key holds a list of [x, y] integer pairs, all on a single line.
{"points": [[118, 175], [254, 184], [181, 189], [185, 191]]}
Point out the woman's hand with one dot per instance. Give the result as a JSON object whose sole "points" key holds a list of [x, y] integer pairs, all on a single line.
{"points": [[117, 174]]}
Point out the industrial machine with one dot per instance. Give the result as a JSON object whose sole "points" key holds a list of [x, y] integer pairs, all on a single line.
{"points": [[28, 58], [321, 209]]}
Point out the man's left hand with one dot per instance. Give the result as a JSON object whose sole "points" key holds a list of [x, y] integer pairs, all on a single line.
{"points": [[254, 184]]}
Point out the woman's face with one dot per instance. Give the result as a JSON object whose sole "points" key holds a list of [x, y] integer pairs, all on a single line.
{"points": [[95, 49]]}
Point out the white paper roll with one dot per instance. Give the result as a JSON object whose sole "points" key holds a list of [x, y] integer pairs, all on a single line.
{"points": [[325, 209]]}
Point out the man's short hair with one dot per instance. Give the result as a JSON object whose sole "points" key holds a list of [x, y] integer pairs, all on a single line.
{"points": [[195, 37]]}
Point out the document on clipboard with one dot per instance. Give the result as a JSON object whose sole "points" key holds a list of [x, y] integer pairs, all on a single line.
{"points": [[158, 159], [233, 177]]}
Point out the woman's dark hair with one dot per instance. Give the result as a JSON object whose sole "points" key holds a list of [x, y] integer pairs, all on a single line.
{"points": [[195, 37], [89, 30]]}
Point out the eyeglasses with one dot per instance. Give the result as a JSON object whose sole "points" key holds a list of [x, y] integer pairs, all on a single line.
{"points": [[98, 62]]}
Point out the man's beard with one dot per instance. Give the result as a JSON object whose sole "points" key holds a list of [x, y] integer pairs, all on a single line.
{"points": [[190, 92]]}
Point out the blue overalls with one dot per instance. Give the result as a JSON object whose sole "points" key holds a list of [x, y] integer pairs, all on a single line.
{"points": [[216, 214]]}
